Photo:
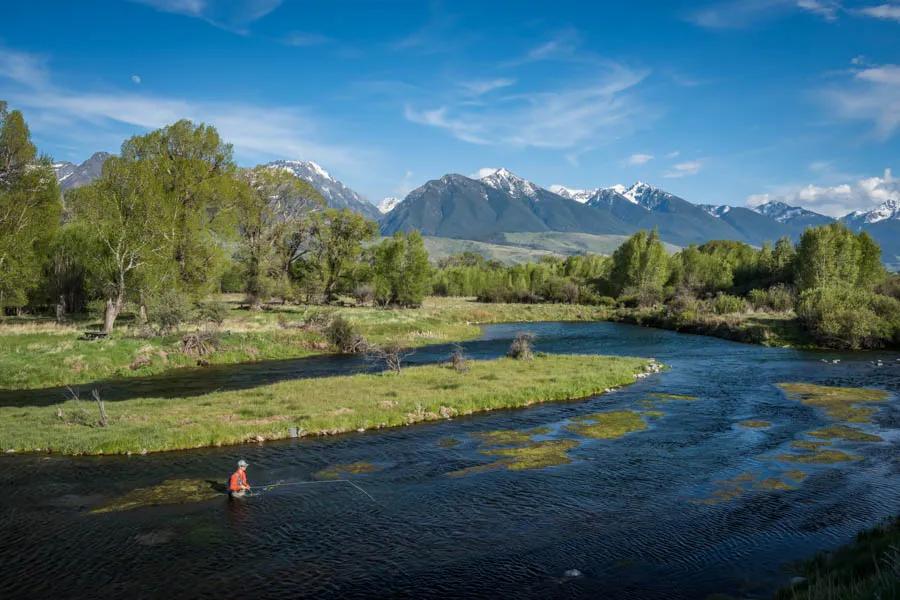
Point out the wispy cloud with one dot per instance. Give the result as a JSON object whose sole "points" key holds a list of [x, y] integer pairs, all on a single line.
{"points": [[836, 200], [638, 159], [483, 86], [23, 68], [257, 131], [872, 94], [558, 119], [889, 12], [684, 169], [737, 14], [232, 15]]}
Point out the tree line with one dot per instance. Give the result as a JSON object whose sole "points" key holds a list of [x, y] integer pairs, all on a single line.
{"points": [[172, 219], [833, 279]]}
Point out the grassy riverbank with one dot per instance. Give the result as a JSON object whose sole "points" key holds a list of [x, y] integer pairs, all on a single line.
{"points": [[868, 568], [319, 406], [40, 353]]}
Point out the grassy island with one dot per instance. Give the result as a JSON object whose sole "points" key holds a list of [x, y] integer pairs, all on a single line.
{"points": [[320, 406]]}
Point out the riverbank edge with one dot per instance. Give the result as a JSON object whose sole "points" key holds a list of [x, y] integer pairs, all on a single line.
{"points": [[54, 358], [324, 406], [867, 567]]}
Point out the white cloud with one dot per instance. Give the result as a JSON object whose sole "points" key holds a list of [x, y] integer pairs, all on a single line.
{"points": [[483, 172], [136, 79], [257, 132], [22, 68], [553, 117], [737, 14], [890, 12], [483, 86], [673, 154], [684, 169], [872, 94], [639, 159], [837, 200], [232, 15]]}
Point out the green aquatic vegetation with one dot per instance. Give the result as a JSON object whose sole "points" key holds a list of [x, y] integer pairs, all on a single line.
{"points": [[808, 444], [448, 442], [755, 424], [171, 491], [843, 432], [536, 455], [795, 475], [840, 403], [668, 396], [820, 456], [729, 489], [357, 468], [509, 437], [653, 414], [608, 425]]}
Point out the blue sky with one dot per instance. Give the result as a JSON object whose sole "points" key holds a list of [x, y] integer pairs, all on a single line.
{"points": [[725, 102]]}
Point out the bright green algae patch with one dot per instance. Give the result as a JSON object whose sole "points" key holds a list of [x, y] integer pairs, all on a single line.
{"points": [[608, 425], [509, 437], [316, 406], [755, 424], [536, 455], [729, 489], [668, 396], [839, 403], [843, 432], [808, 444], [820, 456], [171, 491], [357, 468]]}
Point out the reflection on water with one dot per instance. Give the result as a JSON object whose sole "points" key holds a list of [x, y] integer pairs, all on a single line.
{"points": [[698, 499]]}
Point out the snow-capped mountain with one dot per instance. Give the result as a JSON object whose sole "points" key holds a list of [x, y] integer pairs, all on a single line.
{"points": [[716, 210], [646, 195], [70, 175], [889, 210], [575, 194], [388, 204], [784, 213], [512, 184], [336, 194]]}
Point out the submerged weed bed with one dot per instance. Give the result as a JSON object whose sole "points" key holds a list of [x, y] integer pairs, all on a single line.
{"points": [[839, 403], [171, 491], [609, 425]]}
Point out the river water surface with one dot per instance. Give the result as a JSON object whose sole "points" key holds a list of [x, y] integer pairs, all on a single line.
{"points": [[679, 510]]}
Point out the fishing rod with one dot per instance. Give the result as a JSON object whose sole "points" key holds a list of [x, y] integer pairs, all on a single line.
{"points": [[289, 483]]}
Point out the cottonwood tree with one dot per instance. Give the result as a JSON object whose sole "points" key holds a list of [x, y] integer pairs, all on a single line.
{"points": [[30, 209], [273, 221], [332, 248], [121, 218], [402, 275], [640, 266], [834, 255], [195, 192]]}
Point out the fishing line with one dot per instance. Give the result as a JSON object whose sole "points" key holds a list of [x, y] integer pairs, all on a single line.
{"points": [[284, 484]]}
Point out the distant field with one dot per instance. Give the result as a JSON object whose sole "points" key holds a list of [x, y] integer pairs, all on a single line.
{"points": [[515, 248], [439, 248], [565, 243]]}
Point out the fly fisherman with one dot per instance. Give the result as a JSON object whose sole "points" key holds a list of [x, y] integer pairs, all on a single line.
{"points": [[237, 484]]}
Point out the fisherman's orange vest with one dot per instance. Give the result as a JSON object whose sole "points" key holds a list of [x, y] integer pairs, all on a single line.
{"points": [[238, 479]]}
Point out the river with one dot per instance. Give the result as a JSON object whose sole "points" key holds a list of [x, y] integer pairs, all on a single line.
{"points": [[678, 510]]}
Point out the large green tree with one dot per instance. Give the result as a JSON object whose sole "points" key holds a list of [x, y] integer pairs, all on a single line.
{"points": [[402, 274], [640, 267], [128, 231], [196, 191], [273, 219], [30, 210], [331, 251], [834, 255]]}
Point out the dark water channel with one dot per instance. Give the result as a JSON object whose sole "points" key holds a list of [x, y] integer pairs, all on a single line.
{"points": [[638, 517]]}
